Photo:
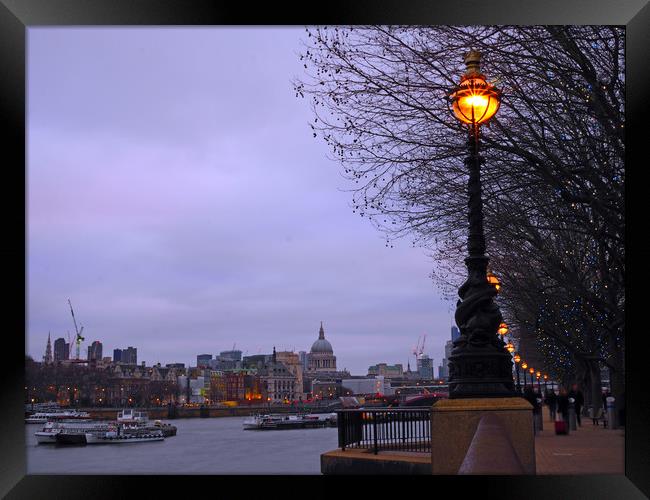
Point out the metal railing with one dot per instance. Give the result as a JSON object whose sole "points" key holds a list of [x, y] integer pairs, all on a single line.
{"points": [[394, 429]]}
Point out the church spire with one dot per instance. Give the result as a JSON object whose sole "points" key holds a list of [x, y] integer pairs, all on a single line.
{"points": [[274, 357], [48, 350], [321, 332]]}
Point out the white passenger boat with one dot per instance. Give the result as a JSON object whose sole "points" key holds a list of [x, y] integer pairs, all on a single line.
{"points": [[43, 417], [48, 434], [328, 418], [262, 422], [290, 421], [115, 436], [129, 416]]}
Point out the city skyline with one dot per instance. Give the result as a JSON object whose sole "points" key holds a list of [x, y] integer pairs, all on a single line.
{"points": [[108, 353], [176, 195]]}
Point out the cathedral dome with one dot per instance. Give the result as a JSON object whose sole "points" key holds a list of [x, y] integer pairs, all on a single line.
{"points": [[321, 345]]}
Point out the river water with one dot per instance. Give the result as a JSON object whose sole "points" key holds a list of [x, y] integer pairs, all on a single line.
{"points": [[201, 446]]}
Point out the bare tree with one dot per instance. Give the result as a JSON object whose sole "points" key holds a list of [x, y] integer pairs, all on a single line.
{"points": [[553, 169]]}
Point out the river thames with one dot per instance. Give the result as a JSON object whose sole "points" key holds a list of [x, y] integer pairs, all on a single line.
{"points": [[201, 446]]}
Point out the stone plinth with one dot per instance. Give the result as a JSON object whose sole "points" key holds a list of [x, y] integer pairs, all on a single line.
{"points": [[454, 422]]}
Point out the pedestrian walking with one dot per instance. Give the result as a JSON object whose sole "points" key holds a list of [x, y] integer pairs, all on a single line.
{"points": [[563, 404], [579, 401], [531, 397], [550, 399], [562, 416]]}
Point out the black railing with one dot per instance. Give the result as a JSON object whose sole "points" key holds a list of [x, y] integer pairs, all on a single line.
{"points": [[394, 429]]}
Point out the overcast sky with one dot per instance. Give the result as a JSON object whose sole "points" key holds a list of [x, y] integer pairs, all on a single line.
{"points": [[176, 195]]}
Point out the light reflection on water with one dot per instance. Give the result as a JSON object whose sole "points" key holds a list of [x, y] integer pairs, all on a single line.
{"points": [[202, 446]]}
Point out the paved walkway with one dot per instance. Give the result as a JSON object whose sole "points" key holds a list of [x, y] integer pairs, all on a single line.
{"points": [[588, 450]]}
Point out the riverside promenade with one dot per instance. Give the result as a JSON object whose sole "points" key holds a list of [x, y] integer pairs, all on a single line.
{"points": [[590, 449]]}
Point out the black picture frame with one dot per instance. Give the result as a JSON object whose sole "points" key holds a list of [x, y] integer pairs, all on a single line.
{"points": [[16, 16]]}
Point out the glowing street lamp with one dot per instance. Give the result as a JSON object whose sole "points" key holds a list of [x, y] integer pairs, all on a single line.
{"points": [[517, 359], [493, 280], [485, 373], [503, 329], [524, 365]]}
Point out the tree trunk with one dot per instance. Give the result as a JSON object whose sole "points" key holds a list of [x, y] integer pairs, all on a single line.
{"points": [[596, 387], [617, 384]]}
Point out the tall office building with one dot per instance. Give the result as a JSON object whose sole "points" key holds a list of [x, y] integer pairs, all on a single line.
{"points": [[231, 355], [61, 349], [130, 355], [443, 369], [95, 350], [425, 366], [203, 360], [117, 355]]}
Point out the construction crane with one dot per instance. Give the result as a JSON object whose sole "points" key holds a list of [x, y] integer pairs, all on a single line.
{"points": [[419, 349], [78, 337], [417, 346], [416, 350]]}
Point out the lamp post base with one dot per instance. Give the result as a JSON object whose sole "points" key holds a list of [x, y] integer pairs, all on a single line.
{"points": [[481, 372]]}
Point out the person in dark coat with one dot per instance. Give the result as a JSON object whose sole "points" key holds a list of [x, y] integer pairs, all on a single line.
{"points": [[579, 401], [551, 401], [563, 404], [531, 396]]}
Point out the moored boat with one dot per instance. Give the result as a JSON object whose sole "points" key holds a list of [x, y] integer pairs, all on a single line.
{"points": [[138, 421], [289, 421], [167, 429], [44, 417], [132, 417], [74, 431], [117, 437]]}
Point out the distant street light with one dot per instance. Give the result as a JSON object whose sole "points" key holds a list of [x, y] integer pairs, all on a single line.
{"points": [[478, 366], [517, 360]]}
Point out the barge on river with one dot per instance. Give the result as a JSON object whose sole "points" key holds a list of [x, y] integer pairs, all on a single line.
{"points": [[265, 422]]}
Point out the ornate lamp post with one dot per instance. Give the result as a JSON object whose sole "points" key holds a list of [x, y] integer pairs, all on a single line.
{"points": [[524, 365], [517, 360], [479, 365], [539, 383], [545, 379], [493, 280], [531, 370]]}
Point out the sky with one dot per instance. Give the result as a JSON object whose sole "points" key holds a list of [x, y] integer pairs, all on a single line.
{"points": [[177, 197]]}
